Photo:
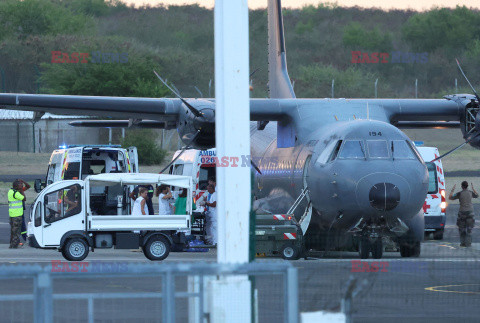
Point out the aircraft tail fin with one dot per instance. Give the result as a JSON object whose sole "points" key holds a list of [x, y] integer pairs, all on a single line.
{"points": [[279, 85]]}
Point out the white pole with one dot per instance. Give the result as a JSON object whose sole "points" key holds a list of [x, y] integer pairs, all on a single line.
{"points": [[109, 136], [231, 295]]}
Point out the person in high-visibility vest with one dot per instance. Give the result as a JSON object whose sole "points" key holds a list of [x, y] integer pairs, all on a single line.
{"points": [[15, 211], [24, 186]]}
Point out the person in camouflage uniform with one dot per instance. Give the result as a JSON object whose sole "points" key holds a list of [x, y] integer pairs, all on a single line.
{"points": [[465, 219]]}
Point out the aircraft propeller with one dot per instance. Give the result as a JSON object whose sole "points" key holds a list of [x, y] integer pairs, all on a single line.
{"points": [[472, 136]]}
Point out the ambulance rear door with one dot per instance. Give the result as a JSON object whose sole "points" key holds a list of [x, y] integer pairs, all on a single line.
{"points": [[132, 160]]}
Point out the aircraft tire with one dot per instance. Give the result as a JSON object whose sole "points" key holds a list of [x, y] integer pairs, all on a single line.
{"points": [[75, 249], [157, 248], [290, 252], [364, 248], [438, 235], [377, 249]]}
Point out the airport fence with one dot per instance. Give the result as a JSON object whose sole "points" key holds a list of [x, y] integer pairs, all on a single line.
{"points": [[127, 292]]}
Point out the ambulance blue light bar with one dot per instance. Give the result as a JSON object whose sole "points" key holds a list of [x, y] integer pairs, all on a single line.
{"points": [[89, 146], [418, 143]]}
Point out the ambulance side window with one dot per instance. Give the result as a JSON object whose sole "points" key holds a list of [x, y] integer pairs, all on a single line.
{"points": [[432, 178], [205, 173], [72, 170]]}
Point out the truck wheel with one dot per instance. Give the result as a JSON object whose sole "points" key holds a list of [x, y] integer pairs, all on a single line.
{"points": [[290, 252], [438, 235], [364, 248], [75, 249], [157, 248], [377, 249]]}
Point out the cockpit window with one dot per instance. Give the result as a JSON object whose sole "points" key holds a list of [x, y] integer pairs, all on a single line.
{"points": [[415, 151], [327, 152], [378, 149], [334, 154], [352, 149], [401, 150]]}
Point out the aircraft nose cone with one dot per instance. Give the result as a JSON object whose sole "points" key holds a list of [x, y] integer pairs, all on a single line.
{"points": [[384, 196]]}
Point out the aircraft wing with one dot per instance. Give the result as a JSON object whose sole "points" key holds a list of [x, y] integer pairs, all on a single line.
{"points": [[162, 109], [107, 107]]}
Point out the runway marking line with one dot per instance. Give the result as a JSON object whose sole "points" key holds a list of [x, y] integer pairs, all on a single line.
{"points": [[435, 289]]}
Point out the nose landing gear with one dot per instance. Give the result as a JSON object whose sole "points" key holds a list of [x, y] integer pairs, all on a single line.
{"points": [[369, 244]]}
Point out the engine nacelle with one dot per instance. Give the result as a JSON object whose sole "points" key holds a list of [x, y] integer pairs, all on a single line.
{"points": [[470, 123], [203, 127]]}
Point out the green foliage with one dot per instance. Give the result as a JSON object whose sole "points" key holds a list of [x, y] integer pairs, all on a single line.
{"points": [[316, 81], [133, 78], [39, 17], [148, 151], [302, 27], [356, 36], [442, 28], [95, 8]]}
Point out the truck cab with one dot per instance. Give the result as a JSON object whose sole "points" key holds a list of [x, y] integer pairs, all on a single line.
{"points": [[435, 205], [78, 162], [63, 217]]}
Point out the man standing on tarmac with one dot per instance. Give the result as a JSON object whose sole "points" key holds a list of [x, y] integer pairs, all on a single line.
{"points": [[15, 211], [465, 220], [212, 215]]}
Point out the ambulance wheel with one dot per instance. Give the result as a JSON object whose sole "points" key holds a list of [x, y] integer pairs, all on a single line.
{"points": [[438, 235], [377, 249], [157, 248], [290, 252], [75, 249], [364, 248]]}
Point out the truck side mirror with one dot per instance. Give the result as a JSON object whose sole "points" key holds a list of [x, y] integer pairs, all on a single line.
{"points": [[38, 185]]}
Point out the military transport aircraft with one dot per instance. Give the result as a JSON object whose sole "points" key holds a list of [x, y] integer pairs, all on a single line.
{"points": [[353, 174]]}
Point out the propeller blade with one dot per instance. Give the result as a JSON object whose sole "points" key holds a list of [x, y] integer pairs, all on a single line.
{"points": [[471, 86], [256, 167], [189, 106], [456, 148], [180, 154]]}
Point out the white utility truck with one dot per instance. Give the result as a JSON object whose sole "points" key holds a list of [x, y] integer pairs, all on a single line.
{"points": [[62, 217]]}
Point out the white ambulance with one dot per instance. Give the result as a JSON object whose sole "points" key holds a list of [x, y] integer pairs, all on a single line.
{"points": [[435, 204], [77, 162], [200, 164]]}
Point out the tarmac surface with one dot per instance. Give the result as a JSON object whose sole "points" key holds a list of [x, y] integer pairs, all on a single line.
{"points": [[442, 285]]}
